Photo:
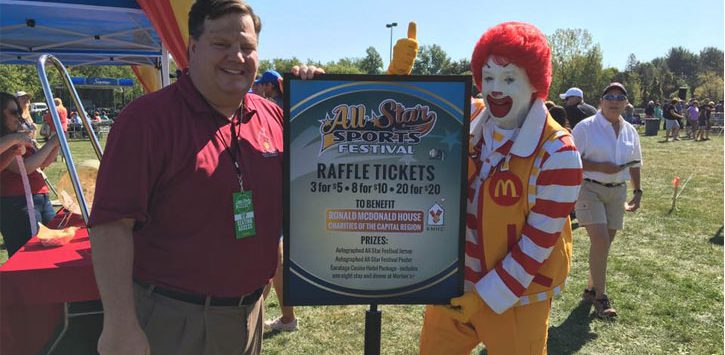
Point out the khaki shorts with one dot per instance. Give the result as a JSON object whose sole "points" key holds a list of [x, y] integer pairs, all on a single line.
{"points": [[598, 204], [671, 124], [181, 328]]}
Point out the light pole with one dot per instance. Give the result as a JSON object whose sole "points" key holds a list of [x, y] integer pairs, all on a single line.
{"points": [[390, 26]]}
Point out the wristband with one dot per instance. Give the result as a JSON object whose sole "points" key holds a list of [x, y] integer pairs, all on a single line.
{"points": [[637, 190]]}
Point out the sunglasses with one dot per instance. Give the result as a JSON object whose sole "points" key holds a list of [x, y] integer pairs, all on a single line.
{"points": [[610, 97], [15, 112]]}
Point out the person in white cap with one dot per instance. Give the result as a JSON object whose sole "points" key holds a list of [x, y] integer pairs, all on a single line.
{"points": [[576, 108], [24, 99]]}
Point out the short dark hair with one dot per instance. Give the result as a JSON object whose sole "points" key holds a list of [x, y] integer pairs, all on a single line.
{"points": [[214, 9], [558, 113]]}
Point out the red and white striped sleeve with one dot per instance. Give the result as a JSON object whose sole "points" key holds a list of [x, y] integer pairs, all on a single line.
{"points": [[557, 188]]}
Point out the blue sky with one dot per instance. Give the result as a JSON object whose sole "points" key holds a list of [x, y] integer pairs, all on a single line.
{"points": [[327, 30]]}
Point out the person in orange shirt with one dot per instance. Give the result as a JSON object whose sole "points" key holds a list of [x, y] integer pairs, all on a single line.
{"points": [[62, 113]]}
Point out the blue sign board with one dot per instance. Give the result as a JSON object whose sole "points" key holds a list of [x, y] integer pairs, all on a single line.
{"points": [[375, 177], [102, 81]]}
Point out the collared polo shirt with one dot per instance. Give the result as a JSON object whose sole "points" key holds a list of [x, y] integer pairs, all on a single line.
{"points": [[595, 140], [166, 166]]}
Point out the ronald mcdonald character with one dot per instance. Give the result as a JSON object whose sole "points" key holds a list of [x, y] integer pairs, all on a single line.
{"points": [[524, 176]]}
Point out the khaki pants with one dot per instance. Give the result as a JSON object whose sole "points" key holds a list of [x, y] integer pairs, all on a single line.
{"points": [[181, 328], [518, 331]]}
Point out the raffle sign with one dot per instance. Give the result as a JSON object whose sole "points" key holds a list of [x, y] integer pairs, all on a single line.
{"points": [[375, 178]]}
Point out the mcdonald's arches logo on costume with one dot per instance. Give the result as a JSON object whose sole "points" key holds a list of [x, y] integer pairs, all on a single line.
{"points": [[505, 188]]}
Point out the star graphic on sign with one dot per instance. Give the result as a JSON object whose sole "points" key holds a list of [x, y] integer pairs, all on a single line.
{"points": [[407, 159], [450, 140]]}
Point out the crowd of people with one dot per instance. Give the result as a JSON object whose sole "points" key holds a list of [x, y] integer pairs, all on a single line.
{"points": [[694, 117], [227, 146]]}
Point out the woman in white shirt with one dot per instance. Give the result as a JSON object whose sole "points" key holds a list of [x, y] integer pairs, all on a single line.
{"points": [[611, 155]]}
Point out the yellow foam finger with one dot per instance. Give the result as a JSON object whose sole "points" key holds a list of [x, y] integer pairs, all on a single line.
{"points": [[412, 30]]}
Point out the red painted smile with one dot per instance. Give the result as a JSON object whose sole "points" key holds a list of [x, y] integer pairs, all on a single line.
{"points": [[499, 107]]}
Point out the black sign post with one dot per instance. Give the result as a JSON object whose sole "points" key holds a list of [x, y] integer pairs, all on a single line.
{"points": [[373, 321]]}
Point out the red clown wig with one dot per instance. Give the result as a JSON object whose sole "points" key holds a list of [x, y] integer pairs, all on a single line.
{"points": [[516, 43]]}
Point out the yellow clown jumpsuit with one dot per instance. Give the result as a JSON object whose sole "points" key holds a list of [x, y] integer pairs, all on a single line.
{"points": [[506, 200]]}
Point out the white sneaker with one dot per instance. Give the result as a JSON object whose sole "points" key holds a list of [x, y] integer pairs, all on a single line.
{"points": [[278, 325]]}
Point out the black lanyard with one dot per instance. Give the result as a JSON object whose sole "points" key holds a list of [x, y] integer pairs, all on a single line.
{"points": [[232, 149]]}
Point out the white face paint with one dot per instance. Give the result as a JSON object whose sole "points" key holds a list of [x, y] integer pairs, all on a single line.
{"points": [[508, 92]]}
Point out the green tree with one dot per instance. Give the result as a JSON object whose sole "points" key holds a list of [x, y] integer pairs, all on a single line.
{"points": [[344, 66], [632, 63], [569, 43], [282, 65], [683, 64], [431, 60], [710, 86], [634, 87], [576, 62], [372, 63], [17, 77], [264, 65], [711, 60], [655, 90], [642, 81], [460, 67]]}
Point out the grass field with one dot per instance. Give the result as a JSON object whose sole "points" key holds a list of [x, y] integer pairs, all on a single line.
{"points": [[665, 275]]}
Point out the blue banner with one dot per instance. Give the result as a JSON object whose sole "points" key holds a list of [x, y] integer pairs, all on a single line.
{"points": [[102, 81]]}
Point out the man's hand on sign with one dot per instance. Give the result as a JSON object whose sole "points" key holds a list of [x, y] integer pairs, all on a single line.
{"points": [[404, 53], [463, 308], [305, 72]]}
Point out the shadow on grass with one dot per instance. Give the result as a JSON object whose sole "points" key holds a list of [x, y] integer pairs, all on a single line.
{"points": [[573, 333], [269, 334], [718, 237]]}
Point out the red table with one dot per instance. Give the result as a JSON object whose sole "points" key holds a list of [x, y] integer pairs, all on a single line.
{"points": [[35, 285]]}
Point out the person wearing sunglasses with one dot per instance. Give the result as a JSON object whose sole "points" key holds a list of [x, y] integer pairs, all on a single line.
{"points": [[15, 224], [611, 155]]}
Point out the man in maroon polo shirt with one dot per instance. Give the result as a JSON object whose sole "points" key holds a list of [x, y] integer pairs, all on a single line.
{"points": [[188, 207]]}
